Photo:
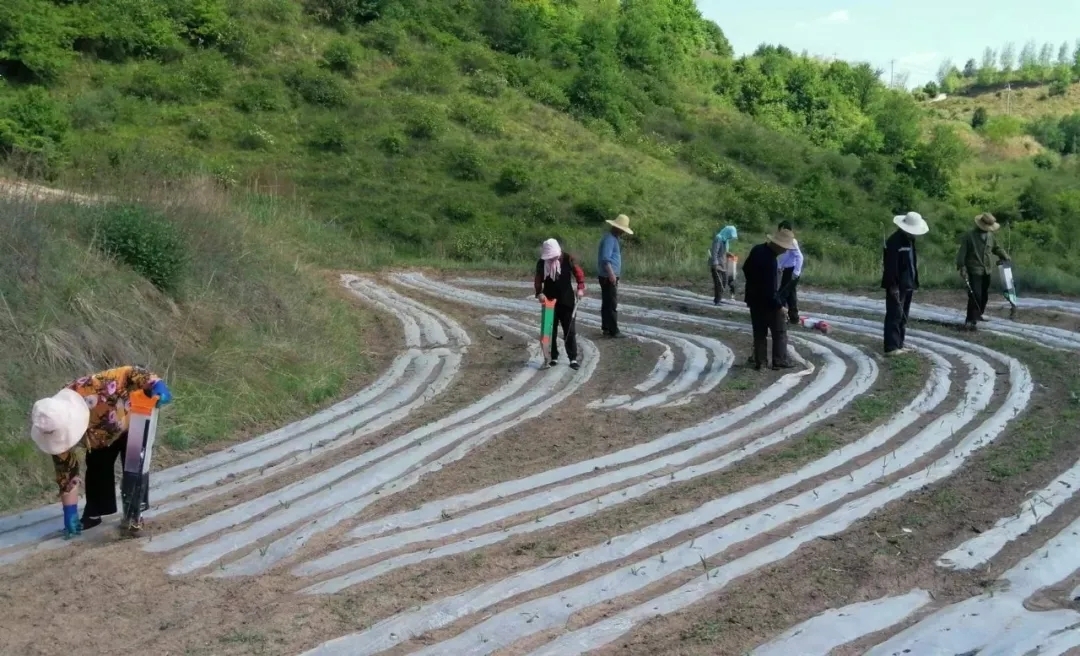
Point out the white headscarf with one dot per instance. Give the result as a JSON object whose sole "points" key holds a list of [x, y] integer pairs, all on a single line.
{"points": [[551, 254]]}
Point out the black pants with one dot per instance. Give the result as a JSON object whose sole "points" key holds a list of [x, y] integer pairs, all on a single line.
{"points": [[980, 285], [609, 306], [767, 320], [896, 314], [563, 314], [721, 281], [100, 480], [791, 298]]}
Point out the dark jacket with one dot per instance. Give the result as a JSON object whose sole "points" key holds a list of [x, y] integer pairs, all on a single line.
{"points": [[562, 290], [761, 278], [976, 249], [900, 263]]}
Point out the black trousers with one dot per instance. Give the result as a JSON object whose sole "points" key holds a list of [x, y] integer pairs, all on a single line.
{"points": [[609, 306], [721, 281], [767, 320], [791, 298], [980, 285], [564, 316], [101, 481], [896, 314]]}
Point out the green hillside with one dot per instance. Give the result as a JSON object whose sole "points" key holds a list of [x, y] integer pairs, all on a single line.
{"points": [[344, 134], [470, 130]]}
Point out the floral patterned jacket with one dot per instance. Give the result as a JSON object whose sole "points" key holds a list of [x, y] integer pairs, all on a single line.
{"points": [[107, 394]]}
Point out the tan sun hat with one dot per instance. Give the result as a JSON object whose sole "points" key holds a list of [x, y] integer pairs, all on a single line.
{"points": [[59, 422], [912, 223], [783, 238], [987, 223], [622, 222]]}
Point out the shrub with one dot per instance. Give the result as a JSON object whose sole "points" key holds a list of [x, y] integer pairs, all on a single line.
{"points": [[31, 120], [150, 82], [979, 117], [145, 241], [430, 75], [340, 13], [317, 86], [204, 75], [465, 163], [199, 131], [387, 39], [459, 212], [94, 109], [425, 122], [1043, 161], [477, 245], [1000, 129], [392, 143], [341, 56], [513, 179], [258, 96], [35, 43], [549, 94], [489, 85], [121, 29], [254, 138], [329, 136], [476, 116], [474, 58]]}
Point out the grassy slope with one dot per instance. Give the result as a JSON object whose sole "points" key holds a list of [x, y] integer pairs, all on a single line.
{"points": [[256, 338]]}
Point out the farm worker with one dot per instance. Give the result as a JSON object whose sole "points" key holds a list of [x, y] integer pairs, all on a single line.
{"points": [[553, 281], [900, 278], [761, 277], [609, 266], [721, 244], [90, 415], [791, 264], [973, 263]]}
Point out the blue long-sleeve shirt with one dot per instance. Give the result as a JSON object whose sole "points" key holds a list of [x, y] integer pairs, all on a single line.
{"points": [[610, 253]]}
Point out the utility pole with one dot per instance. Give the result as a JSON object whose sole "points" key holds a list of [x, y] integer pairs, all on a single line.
{"points": [[892, 72], [1008, 98]]}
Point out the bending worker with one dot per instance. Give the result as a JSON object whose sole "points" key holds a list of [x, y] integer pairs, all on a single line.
{"points": [[91, 415], [556, 273], [718, 254], [973, 263]]}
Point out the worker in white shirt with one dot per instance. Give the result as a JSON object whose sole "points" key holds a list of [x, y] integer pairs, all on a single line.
{"points": [[791, 264]]}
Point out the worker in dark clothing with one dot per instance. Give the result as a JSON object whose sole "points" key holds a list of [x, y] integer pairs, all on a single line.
{"points": [[761, 278], [900, 278], [556, 273], [973, 262]]}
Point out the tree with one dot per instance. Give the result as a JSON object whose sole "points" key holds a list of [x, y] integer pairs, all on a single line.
{"points": [[1029, 61], [1062, 80], [1008, 58], [988, 70], [952, 82], [1064, 57], [1076, 59], [937, 161], [1046, 56], [931, 89], [971, 69], [944, 70]]}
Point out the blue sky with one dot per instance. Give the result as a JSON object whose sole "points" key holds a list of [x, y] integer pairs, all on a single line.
{"points": [[917, 34]]}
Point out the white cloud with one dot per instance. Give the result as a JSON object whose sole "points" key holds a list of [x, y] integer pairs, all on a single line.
{"points": [[837, 17]]}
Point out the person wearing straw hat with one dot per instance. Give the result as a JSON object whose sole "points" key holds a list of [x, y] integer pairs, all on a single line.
{"points": [[900, 278], [90, 416], [974, 264], [791, 266], [609, 266], [556, 273], [761, 277], [718, 262]]}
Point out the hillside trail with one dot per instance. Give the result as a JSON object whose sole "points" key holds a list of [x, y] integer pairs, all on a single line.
{"points": [[663, 498]]}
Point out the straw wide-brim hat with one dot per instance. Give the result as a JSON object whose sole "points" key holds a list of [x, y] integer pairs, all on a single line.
{"points": [[784, 238], [912, 223], [987, 223], [59, 422], [622, 222]]}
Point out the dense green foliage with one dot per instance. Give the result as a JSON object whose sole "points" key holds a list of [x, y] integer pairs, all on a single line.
{"points": [[1056, 65], [472, 129]]}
